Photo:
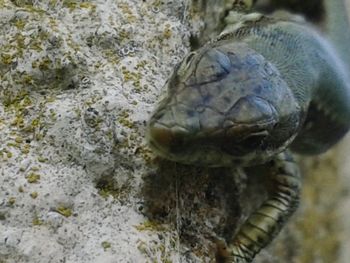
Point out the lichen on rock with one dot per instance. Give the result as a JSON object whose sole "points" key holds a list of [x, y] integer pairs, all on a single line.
{"points": [[78, 80]]}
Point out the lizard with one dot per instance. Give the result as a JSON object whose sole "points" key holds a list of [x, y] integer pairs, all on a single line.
{"points": [[264, 87]]}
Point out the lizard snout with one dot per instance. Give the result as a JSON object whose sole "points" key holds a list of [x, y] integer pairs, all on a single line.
{"points": [[253, 110]]}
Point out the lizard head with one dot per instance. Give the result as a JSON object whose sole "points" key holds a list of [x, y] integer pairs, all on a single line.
{"points": [[225, 104]]}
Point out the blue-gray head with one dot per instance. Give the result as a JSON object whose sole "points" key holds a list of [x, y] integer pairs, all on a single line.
{"points": [[225, 104]]}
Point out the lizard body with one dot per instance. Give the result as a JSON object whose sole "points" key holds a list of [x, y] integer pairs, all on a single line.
{"points": [[262, 86], [312, 70]]}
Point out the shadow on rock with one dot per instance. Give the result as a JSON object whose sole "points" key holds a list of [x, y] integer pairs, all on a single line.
{"points": [[201, 204]]}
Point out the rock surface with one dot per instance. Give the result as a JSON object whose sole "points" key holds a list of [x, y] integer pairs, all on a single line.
{"points": [[78, 81]]}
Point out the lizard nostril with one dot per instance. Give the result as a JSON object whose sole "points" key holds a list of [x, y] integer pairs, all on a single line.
{"points": [[252, 110]]}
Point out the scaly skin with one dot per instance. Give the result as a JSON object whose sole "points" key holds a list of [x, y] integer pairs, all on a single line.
{"points": [[264, 85]]}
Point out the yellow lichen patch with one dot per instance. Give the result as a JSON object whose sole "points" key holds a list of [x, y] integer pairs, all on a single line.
{"points": [[124, 119], [7, 58], [20, 23], [112, 56], [34, 195], [157, 3], [20, 45], [127, 12], [11, 201], [43, 64], [108, 187], [145, 153], [9, 154], [2, 217], [106, 245], [18, 121], [20, 189], [37, 222], [105, 193], [53, 115], [71, 5], [35, 168], [25, 149], [88, 6], [19, 139], [42, 159], [124, 34], [141, 64], [13, 144], [3, 5], [18, 104], [63, 210], [135, 77], [33, 178], [167, 33], [150, 226], [16, 101], [156, 251]]}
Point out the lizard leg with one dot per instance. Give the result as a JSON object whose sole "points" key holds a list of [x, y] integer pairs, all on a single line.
{"points": [[264, 224]]}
